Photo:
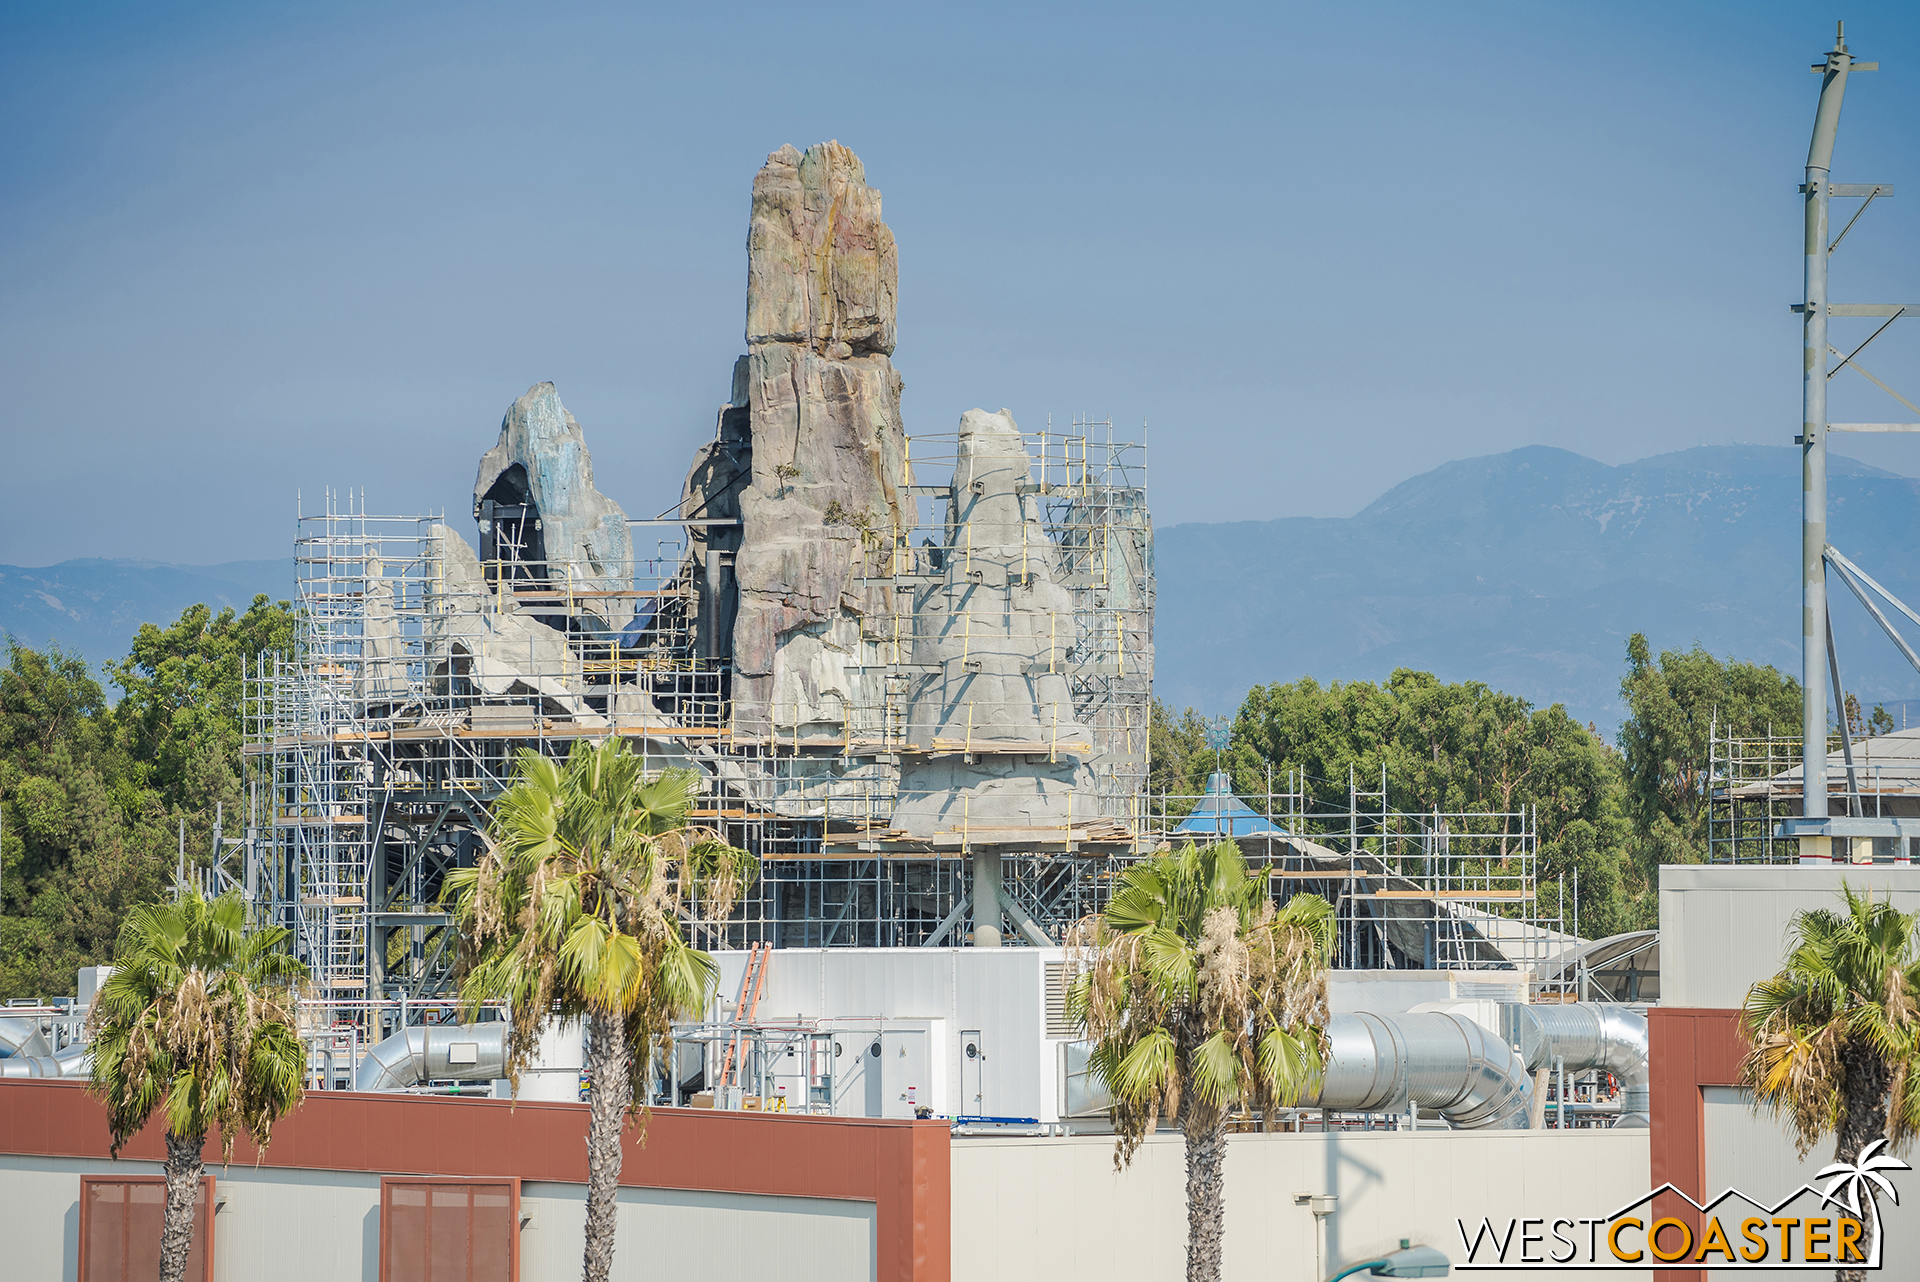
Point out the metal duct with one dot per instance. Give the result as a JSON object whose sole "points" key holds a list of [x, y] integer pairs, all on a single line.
{"points": [[452, 1052], [1445, 1063], [75, 1061], [1587, 1035], [22, 1037]]}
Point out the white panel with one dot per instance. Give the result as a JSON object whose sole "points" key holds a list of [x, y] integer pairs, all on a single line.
{"points": [[1755, 1154], [324, 1226], [663, 1233], [292, 1226], [1000, 991], [1722, 927], [1012, 1197]]}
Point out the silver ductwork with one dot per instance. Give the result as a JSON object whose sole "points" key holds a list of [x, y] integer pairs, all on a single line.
{"points": [[451, 1052], [1447, 1064], [1586, 1035], [22, 1038], [74, 1061]]}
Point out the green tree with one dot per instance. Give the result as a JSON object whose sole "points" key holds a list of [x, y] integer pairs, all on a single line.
{"points": [[1835, 1036], [1672, 705], [196, 1022], [1459, 748], [1201, 997], [572, 913], [1178, 758], [181, 713], [84, 839]]}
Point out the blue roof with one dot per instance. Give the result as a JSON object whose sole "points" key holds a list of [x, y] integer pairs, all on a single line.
{"points": [[1222, 814]]}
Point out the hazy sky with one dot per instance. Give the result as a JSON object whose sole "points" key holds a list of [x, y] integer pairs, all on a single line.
{"points": [[251, 251]]}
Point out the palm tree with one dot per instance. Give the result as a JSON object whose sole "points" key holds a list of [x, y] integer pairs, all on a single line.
{"points": [[1835, 1036], [1200, 996], [573, 913], [197, 1020]]}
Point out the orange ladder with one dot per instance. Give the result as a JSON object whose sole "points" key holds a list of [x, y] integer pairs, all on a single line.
{"points": [[751, 985]]}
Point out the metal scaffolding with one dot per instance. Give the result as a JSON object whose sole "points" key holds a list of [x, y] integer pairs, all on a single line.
{"points": [[418, 673]]}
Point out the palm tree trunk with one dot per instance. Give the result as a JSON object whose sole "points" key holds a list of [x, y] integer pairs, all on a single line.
{"points": [[183, 1187], [1863, 1094], [1206, 1194], [607, 1105]]}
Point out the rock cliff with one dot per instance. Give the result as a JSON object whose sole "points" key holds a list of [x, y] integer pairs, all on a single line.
{"points": [[823, 447]]}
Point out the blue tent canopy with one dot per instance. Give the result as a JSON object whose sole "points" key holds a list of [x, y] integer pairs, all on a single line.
{"points": [[1221, 814]]}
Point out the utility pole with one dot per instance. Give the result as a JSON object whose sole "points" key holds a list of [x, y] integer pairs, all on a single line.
{"points": [[1816, 844]]}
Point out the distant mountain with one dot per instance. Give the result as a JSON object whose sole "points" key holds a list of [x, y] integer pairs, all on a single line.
{"points": [[1525, 570], [1528, 571], [95, 606]]}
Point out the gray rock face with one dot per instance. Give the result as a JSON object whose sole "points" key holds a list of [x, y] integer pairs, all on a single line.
{"points": [[996, 632], [539, 480], [821, 266], [495, 651], [826, 448]]}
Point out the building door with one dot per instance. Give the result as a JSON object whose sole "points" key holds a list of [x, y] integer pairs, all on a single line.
{"points": [[873, 1073], [973, 1075]]}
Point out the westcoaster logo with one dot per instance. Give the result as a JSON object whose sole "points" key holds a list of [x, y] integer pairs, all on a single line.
{"points": [[1730, 1236]]}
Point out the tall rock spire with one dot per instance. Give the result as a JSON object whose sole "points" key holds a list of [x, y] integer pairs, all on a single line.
{"points": [[820, 510]]}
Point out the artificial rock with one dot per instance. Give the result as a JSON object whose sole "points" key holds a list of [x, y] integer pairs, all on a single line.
{"points": [[579, 535], [991, 722], [824, 445]]}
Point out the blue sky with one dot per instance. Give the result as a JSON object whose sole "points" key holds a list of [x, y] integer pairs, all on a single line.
{"points": [[252, 251]]}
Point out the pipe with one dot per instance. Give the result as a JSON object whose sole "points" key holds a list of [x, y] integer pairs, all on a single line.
{"points": [[986, 899], [22, 1037], [1450, 1064], [1587, 1035], [74, 1061], [453, 1052]]}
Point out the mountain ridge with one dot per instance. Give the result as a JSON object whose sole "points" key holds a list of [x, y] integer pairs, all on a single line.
{"points": [[1528, 570], [93, 606]]}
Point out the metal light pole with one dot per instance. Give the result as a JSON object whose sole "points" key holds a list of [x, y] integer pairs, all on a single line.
{"points": [[1817, 849]]}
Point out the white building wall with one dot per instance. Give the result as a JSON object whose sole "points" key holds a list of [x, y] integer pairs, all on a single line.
{"points": [[324, 1226], [670, 1233], [999, 992], [293, 1226], [1723, 927], [1754, 1154], [1054, 1210]]}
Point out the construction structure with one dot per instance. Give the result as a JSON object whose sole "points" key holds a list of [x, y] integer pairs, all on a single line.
{"points": [[912, 676]]}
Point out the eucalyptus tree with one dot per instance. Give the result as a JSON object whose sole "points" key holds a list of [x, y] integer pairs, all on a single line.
{"points": [[573, 913], [1201, 997], [197, 1023]]}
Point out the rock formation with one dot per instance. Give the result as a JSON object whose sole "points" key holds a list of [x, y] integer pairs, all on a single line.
{"points": [[822, 447], [991, 722], [494, 651], [535, 501]]}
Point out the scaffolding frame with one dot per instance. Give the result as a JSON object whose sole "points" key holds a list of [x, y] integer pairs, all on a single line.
{"points": [[1754, 792], [1469, 878], [418, 673]]}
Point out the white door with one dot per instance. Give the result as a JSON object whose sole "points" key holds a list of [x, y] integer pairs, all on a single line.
{"points": [[973, 1059], [907, 1082], [873, 1073]]}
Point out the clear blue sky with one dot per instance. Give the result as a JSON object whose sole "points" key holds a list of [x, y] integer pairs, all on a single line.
{"points": [[251, 250]]}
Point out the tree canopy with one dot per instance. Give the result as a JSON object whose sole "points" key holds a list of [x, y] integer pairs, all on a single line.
{"points": [[93, 796], [1613, 812]]}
